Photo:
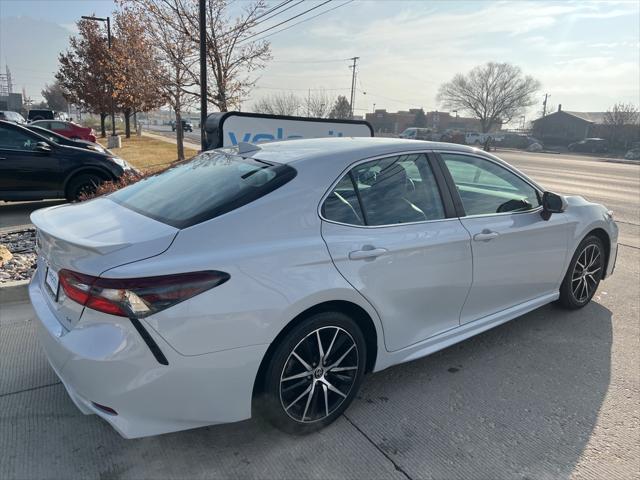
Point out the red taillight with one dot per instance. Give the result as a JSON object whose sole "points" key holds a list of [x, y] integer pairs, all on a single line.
{"points": [[136, 297]]}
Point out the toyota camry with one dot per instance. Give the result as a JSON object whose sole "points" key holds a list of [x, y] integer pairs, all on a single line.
{"points": [[271, 278]]}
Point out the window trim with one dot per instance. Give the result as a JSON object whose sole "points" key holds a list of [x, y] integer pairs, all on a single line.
{"points": [[443, 190], [453, 191]]}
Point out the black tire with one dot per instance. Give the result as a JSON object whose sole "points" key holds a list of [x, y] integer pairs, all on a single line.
{"points": [[344, 348], [83, 183], [584, 274]]}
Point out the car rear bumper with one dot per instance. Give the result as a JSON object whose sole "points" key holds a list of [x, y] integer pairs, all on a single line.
{"points": [[103, 360]]}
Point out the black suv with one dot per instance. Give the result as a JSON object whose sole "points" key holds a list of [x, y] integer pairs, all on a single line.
{"points": [[33, 167], [186, 126], [40, 114]]}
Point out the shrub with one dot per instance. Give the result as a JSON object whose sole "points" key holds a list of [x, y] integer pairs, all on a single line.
{"points": [[128, 178]]}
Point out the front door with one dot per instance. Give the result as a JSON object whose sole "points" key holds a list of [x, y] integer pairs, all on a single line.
{"points": [[388, 235], [517, 255], [25, 170]]}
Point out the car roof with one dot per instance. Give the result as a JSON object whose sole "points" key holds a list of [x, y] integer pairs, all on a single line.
{"points": [[344, 149]]}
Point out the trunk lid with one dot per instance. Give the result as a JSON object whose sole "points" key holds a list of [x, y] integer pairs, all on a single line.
{"points": [[89, 238]]}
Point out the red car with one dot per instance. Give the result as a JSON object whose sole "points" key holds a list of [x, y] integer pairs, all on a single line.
{"points": [[67, 129]]}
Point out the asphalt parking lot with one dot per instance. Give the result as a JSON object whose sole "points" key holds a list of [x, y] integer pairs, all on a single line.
{"points": [[550, 395]]}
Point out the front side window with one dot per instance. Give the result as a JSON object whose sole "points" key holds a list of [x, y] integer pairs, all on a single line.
{"points": [[207, 186], [12, 139], [487, 188], [388, 191]]}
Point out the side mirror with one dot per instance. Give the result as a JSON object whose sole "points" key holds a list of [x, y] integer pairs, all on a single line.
{"points": [[43, 147], [552, 203]]}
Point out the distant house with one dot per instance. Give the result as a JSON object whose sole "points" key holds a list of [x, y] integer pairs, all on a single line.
{"points": [[563, 127]]}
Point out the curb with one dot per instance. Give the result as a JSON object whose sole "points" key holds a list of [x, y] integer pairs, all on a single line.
{"points": [[16, 228], [16, 291]]}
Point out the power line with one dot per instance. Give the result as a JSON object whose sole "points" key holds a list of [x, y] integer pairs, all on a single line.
{"points": [[306, 19], [283, 22], [278, 13], [262, 15], [311, 61], [299, 89]]}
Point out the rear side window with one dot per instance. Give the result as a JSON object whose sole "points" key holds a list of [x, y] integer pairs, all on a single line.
{"points": [[203, 188]]}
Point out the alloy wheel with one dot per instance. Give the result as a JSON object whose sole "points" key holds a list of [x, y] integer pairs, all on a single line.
{"points": [[587, 272], [319, 374]]}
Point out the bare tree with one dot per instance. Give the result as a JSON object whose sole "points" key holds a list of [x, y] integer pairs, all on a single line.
{"points": [[233, 51], [285, 103], [621, 124], [492, 93], [177, 55], [318, 104]]}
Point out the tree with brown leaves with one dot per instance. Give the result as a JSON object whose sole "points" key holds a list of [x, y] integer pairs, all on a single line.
{"points": [[136, 70], [84, 72]]}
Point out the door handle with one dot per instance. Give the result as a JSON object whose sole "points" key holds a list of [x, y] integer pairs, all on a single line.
{"points": [[485, 236], [3, 158], [367, 253]]}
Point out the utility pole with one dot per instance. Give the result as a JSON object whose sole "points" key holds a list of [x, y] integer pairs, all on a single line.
{"points": [[544, 113], [203, 73], [544, 104], [353, 82]]}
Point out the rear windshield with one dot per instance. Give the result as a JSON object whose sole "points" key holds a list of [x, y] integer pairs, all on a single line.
{"points": [[203, 188]]}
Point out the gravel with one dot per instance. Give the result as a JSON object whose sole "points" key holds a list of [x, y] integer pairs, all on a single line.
{"points": [[21, 244]]}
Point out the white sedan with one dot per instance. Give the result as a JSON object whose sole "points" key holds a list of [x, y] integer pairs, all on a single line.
{"points": [[271, 278]]}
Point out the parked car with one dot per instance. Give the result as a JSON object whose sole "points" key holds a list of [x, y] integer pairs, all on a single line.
{"points": [[68, 129], [414, 133], [186, 126], [633, 154], [275, 276], [516, 140], [591, 145], [10, 116], [33, 167], [61, 140], [40, 114]]}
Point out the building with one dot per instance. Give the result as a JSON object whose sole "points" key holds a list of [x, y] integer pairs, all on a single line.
{"points": [[389, 122], [395, 123], [564, 127], [11, 101]]}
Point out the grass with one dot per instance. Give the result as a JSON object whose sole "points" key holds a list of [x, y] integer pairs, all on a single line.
{"points": [[147, 154]]}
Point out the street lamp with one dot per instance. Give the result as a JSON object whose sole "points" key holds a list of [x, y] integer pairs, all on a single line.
{"points": [[113, 111], [202, 22]]}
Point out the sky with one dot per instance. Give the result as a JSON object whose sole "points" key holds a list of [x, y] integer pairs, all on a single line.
{"points": [[585, 53]]}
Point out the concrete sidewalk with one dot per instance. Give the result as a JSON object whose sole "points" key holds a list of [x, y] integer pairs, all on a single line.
{"points": [[163, 138], [551, 395]]}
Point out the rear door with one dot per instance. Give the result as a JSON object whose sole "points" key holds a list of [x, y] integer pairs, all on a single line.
{"points": [[393, 238], [24, 170], [517, 255]]}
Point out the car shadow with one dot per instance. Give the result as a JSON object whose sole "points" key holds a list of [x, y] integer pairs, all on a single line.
{"points": [[518, 401]]}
